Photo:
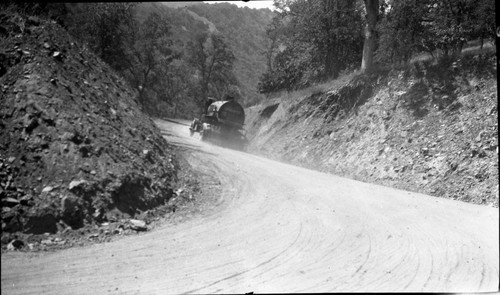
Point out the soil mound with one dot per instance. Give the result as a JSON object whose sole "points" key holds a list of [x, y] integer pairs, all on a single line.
{"points": [[75, 148], [430, 128]]}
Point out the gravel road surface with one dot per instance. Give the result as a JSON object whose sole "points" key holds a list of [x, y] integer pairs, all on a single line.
{"points": [[280, 228]]}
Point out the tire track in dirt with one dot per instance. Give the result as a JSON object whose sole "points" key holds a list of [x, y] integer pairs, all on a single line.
{"points": [[279, 228]]}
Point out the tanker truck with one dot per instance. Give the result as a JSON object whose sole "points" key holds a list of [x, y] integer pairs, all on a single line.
{"points": [[222, 124]]}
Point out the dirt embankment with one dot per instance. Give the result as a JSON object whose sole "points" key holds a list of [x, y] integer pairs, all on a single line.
{"points": [[75, 149], [429, 128]]}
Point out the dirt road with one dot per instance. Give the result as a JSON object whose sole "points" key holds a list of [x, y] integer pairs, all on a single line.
{"points": [[280, 228]]}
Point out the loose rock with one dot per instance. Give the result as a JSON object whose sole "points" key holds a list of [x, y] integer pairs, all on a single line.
{"points": [[138, 225], [76, 183], [10, 202], [15, 245], [47, 189]]}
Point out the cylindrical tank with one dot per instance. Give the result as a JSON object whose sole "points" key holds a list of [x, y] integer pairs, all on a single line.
{"points": [[227, 112]]}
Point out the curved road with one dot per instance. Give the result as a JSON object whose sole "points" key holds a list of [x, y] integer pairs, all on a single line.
{"points": [[281, 228]]}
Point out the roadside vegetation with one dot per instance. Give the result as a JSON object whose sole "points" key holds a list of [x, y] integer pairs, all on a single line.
{"points": [[315, 41], [423, 118]]}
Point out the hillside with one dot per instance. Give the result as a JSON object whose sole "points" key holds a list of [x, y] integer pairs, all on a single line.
{"points": [[76, 150], [151, 45], [430, 128], [244, 29], [182, 24]]}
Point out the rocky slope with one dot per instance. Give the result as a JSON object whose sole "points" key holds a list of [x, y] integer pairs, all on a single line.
{"points": [[430, 128], [75, 148]]}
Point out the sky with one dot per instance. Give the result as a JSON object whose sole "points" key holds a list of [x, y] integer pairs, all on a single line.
{"points": [[251, 4]]}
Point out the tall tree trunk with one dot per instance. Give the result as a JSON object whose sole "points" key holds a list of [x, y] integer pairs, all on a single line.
{"points": [[269, 55], [369, 44], [331, 64], [332, 10]]}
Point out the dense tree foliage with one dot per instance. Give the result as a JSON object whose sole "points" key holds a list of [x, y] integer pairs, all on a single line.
{"points": [[174, 87], [244, 32], [104, 28], [213, 60], [437, 27], [312, 40], [139, 48], [148, 53]]}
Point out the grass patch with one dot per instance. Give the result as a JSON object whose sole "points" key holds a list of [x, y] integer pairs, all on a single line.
{"points": [[297, 95]]}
